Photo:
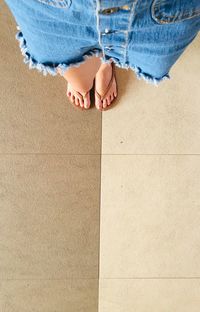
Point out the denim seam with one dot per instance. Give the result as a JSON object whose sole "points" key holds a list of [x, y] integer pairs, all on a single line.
{"points": [[131, 17], [47, 69], [98, 7], [165, 19], [50, 69], [63, 4]]}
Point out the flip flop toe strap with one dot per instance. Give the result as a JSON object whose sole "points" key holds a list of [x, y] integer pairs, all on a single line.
{"points": [[101, 97]]}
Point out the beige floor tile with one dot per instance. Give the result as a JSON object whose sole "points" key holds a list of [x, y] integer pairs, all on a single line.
{"points": [[36, 116], [138, 295], [49, 216], [150, 216], [162, 120], [49, 295]]}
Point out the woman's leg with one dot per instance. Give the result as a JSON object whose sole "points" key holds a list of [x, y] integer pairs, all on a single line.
{"points": [[51, 38]]}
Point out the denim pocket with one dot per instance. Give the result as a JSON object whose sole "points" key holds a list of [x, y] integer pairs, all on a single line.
{"points": [[170, 11], [63, 4]]}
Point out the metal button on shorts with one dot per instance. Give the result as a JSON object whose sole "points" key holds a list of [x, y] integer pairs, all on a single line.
{"points": [[147, 36]]}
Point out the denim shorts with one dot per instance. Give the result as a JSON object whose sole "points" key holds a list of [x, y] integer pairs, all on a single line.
{"points": [[147, 36]]}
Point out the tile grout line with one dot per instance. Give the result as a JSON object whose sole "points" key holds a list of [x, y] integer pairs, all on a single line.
{"points": [[151, 154], [99, 255], [97, 154], [132, 278], [151, 278], [96, 278]]}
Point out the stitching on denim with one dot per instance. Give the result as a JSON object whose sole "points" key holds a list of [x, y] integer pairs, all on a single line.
{"points": [[50, 69], [114, 31], [156, 5], [98, 6], [100, 34], [57, 3], [139, 72], [131, 16]]}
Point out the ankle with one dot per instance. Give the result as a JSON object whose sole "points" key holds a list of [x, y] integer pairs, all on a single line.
{"points": [[104, 67]]}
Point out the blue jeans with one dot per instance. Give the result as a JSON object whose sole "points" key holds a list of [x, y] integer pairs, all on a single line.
{"points": [[147, 36]]}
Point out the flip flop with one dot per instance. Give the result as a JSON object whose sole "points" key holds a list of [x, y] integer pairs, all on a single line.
{"points": [[102, 96], [81, 95]]}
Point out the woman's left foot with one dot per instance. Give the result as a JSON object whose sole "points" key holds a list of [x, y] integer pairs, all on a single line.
{"points": [[105, 86]]}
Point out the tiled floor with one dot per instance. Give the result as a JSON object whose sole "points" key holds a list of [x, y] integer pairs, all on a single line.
{"points": [[49, 190], [150, 194], [98, 213]]}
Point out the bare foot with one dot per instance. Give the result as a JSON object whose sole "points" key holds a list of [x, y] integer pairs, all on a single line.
{"points": [[79, 97], [80, 81], [102, 81]]}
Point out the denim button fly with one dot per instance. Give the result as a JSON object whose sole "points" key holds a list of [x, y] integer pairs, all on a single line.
{"points": [[147, 36], [110, 33]]}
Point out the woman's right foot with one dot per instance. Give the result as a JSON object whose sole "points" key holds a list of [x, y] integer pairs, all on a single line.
{"points": [[79, 98], [80, 81]]}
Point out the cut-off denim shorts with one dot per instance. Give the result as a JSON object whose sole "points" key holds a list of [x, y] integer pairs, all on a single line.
{"points": [[147, 36]]}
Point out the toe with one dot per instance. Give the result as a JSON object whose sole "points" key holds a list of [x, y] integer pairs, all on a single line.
{"points": [[86, 100], [98, 103], [77, 97], [77, 101], [104, 103], [108, 100], [72, 98], [81, 103], [111, 99]]}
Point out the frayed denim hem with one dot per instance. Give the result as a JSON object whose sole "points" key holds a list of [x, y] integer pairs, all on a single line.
{"points": [[138, 71], [53, 69], [149, 78], [50, 69]]}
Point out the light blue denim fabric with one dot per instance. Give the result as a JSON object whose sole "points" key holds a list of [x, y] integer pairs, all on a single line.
{"points": [[147, 36]]}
